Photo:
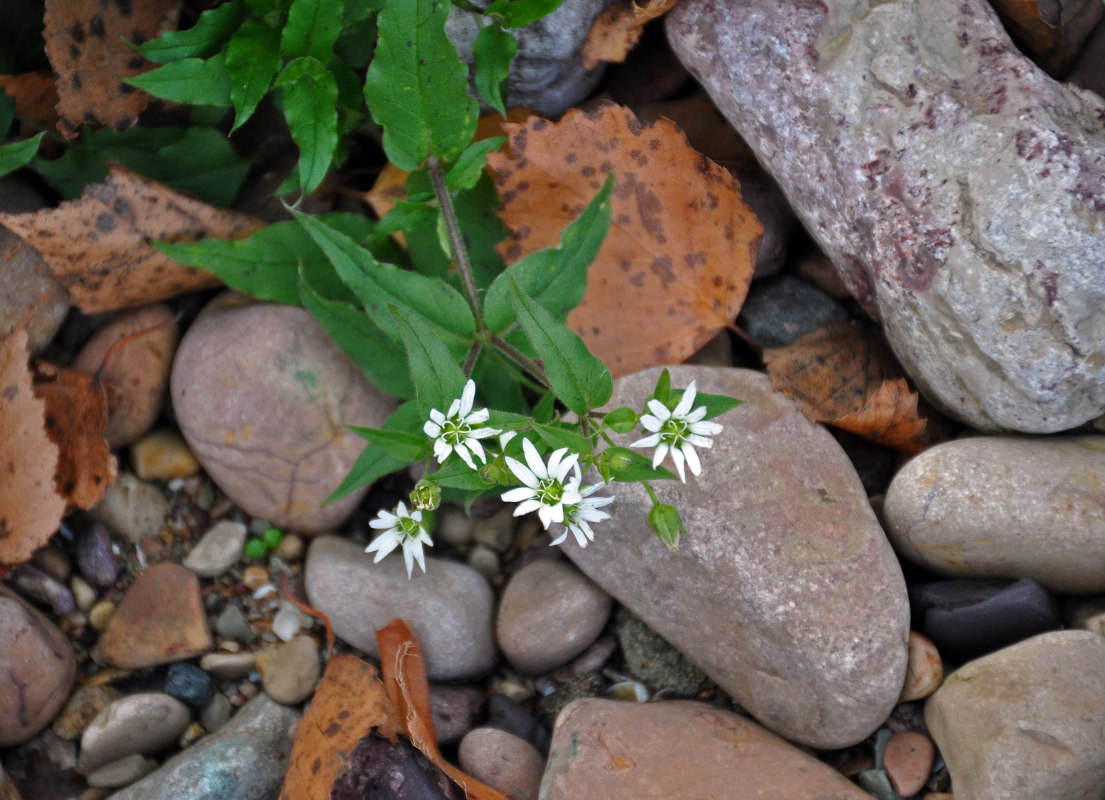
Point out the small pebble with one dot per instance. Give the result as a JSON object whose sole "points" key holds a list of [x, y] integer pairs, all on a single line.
{"points": [[81, 708], [218, 550], [290, 672], [485, 561], [518, 689], [52, 560], [192, 734], [290, 548], [454, 526], [228, 666], [503, 762], [1090, 617], [254, 577], [216, 713], [289, 621], [924, 670], [595, 656], [505, 714], [189, 684], [121, 773], [496, 531], [454, 710], [247, 690], [139, 723], [908, 760], [232, 624], [100, 614], [40, 587], [83, 594], [132, 507], [162, 456], [95, 558]]}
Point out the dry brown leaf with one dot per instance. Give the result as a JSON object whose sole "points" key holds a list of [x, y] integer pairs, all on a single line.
{"points": [[675, 265], [35, 96], [404, 673], [98, 245], [706, 129], [86, 42], [76, 414], [844, 375], [348, 704], [30, 508], [616, 31]]}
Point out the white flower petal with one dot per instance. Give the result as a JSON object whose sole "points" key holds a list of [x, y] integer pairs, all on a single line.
{"points": [[686, 403], [462, 451], [545, 514], [527, 507], [677, 457], [518, 495], [648, 441], [521, 472], [467, 397], [453, 409], [705, 428], [478, 417], [651, 423], [695, 415], [483, 433], [658, 456], [559, 539], [477, 450], [692, 458], [553, 467], [533, 460], [565, 467], [431, 429], [442, 450], [699, 441], [659, 410], [437, 416], [408, 559]]}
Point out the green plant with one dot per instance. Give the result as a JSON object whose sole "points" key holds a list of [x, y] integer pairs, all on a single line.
{"points": [[260, 547]]}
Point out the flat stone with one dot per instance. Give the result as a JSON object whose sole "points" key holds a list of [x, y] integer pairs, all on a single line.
{"points": [[548, 615], [786, 308], [123, 772], [450, 606], [138, 723], [808, 618], [925, 670], [162, 456], [244, 760], [160, 619], [908, 761], [228, 665], [454, 710], [132, 507], [136, 375], [218, 550], [290, 672], [958, 190], [626, 751], [503, 762], [263, 397], [1005, 507], [37, 669], [1026, 721]]}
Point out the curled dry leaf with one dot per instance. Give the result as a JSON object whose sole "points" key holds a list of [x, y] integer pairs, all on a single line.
{"points": [[98, 245], [30, 508], [35, 96], [86, 42], [616, 31], [675, 265], [844, 375]]}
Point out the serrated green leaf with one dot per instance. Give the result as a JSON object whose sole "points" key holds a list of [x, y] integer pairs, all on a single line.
{"points": [[437, 378], [252, 59], [556, 277], [18, 154], [639, 467], [405, 446], [310, 96], [204, 39], [493, 51], [580, 380], [417, 87], [312, 28], [516, 13], [468, 167], [375, 462], [189, 80], [384, 362]]}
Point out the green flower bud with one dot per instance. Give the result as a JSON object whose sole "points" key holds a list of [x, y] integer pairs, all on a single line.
{"points": [[272, 537], [425, 495], [665, 520], [255, 548]]}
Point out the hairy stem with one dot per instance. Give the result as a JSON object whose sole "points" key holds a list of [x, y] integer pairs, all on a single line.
{"points": [[470, 361], [531, 366], [456, 241]]}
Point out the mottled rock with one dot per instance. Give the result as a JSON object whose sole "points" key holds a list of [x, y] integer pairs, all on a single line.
{"points": [[81, 708], [37, 669], [503, 762], [651, 658], [263, 397], [625, 751], [290, 672], [786, 308], [454, 710], [381, 769], [159, 620], [925, 670], [162, 456], [189, 684], [95, 558], [908, 760], [1005, 507], [132, 507], [450, 606], [40, 587], [546, 74], [217, 550], [136, 374], [139, 723], [245, 760], [549, 613], [808, 617], [1026, 721], [958, 189]]}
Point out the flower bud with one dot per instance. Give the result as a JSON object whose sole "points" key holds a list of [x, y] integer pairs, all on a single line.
{"points": [[665, 520], [425, 495]]}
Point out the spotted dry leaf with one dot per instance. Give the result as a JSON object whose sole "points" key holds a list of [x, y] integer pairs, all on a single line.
{"points": [[98, 245], [35, 96], [30, 508], [617, 30], [675, 266], [86, 42]]}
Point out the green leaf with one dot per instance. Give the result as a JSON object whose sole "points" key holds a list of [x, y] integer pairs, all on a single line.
{"points": [[716, 404], [437, 379], [18, 154], [516, 13], [469, 166], [204, 39], [637, 466], [312, 28], [416, 87], [556, 437], [384, 362], [189, 80], [310, 96], [580, 380], [621, 420], [252, 59], [458, 475], [662, 392], [375, 462], [543, 411], [406, 446], [556, 277], [498, 384], [493, 51]]}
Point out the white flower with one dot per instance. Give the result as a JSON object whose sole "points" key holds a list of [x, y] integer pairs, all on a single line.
{"points": [[461, 429], [678, 430], [577, 517], [403, 528], [545, 491]]}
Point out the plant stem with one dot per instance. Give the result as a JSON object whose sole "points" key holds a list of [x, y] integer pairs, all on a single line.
{"points": [[470, 361], [652, 494], [531, 366], [460, 253]]}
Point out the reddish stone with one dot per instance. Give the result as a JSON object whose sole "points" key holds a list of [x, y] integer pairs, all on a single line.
{"points": [[908, 761]]}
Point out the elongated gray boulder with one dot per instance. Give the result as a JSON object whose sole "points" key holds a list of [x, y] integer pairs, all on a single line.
{"points": [[784, 588], [958, 190]]}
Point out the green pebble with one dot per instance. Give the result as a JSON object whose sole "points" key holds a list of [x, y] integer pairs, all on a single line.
{"points": [[272, 537], [255, 548]]}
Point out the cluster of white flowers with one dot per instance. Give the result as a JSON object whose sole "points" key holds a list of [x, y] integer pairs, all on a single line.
{"points": [[551, 488]]}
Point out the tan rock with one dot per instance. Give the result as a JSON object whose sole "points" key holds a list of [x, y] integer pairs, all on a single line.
{"points": [[163, 455], [81, 708], [160, 619], [503, 761], [132, 507], [138, 723], [290, 672], [630, 751], [924, 671]]}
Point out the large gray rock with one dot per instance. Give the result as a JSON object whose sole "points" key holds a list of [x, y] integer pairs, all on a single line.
{"points": [[1026, 721], [959, 191], [1005, 507], [244, 760], [784, 589]]}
